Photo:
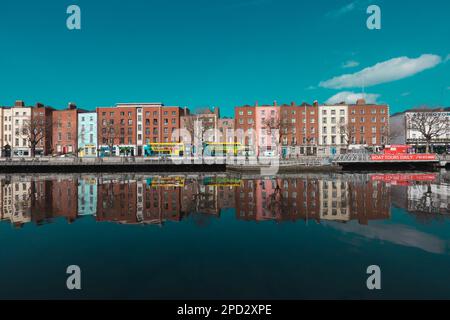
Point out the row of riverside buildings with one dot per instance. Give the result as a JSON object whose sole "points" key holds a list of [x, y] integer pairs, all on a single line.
{"points": [[126, 128], [138, 199], [155, 200]]}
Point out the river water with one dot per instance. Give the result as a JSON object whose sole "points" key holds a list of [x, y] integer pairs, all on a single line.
{"points": [[211, 236]]}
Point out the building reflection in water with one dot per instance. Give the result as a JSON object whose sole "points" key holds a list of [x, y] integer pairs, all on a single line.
{"points": [[141, 199]]}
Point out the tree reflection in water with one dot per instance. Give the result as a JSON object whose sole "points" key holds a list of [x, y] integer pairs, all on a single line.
{"points": [[142, 199]]}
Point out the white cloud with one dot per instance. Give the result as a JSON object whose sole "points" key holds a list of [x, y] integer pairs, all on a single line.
{"points": [[350, 64], [351, 97], [311, 88], [387, 71], [354, 5], [405, 94], [447, 58]]}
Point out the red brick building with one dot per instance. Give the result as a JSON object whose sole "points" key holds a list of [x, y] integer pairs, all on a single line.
{"points": [[116, 201], [65, 130], [64, 195], [245, 120], [117, 128], [368, 123], [42, 118], [129, 127], [297, 126]]}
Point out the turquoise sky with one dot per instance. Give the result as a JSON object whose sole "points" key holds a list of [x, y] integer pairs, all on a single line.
{"points": [[222, 53]]}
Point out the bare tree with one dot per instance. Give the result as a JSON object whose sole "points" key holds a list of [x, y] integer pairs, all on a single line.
{"points": [[278, 129], [347, 131], [35, 131], [110, 135], [430, 124], [197, 128]]}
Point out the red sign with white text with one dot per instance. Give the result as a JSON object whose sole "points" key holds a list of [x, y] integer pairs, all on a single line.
{"points": [[404, 157]]}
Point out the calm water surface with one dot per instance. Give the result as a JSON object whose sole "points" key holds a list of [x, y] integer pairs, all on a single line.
{"points": [[224, 236]]}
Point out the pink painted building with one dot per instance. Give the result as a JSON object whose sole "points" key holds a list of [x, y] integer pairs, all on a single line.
{"points": [[253, 121]]}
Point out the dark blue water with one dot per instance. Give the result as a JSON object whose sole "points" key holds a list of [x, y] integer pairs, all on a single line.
{"points": [[218, 252]]}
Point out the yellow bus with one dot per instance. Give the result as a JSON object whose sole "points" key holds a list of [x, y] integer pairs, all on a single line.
{"points": [[167, 148], [222, 148], [175, 181]]}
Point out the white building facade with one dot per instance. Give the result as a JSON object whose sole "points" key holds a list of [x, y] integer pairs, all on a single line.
{"points": [[331, 119]]}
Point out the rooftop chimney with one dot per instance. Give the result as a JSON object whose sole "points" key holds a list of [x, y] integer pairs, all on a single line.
{"points": [[292, 104], [39, 105], [275, 103], [316, 103], [72, 106], [19, 103], [361, 101]]}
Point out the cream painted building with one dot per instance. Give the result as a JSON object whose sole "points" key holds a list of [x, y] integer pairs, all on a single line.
{"points": [[13, 121], [331, 119], [334, 200]]}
